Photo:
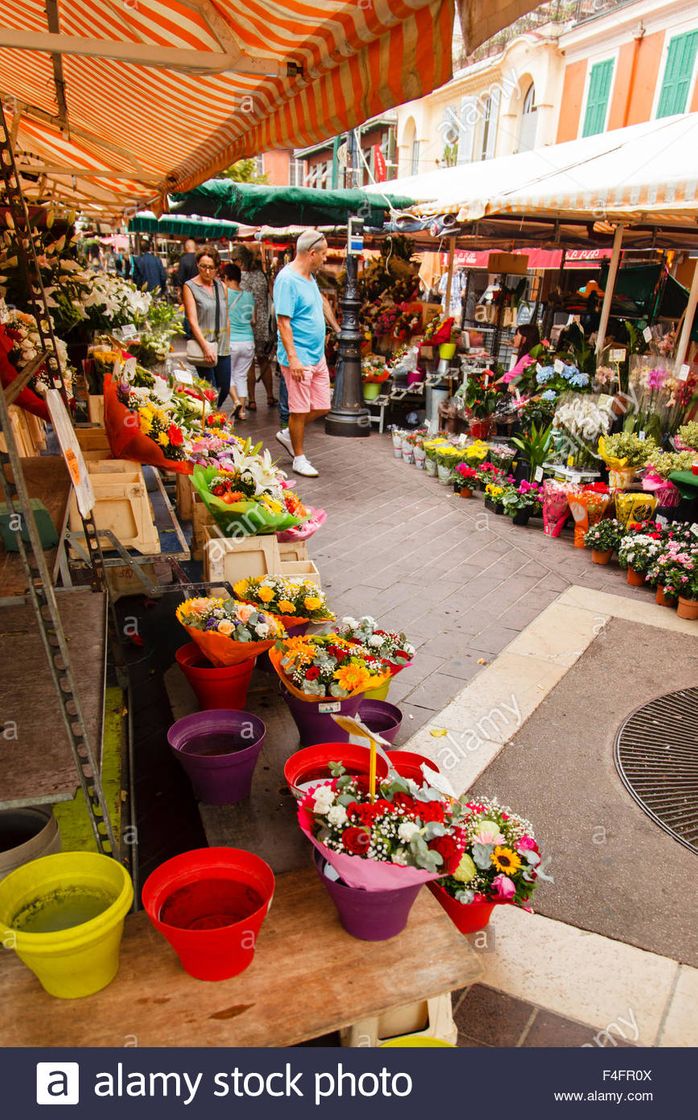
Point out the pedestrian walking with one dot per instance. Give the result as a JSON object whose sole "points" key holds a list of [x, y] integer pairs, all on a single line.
{"points": [[301, 311], [149, 271], [241, 312], [187, 268], [206, 308], [254, 280]]}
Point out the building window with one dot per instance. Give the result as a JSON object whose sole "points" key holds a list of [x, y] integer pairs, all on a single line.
{"points": [[529, 119], [600, 79], [414, 158], [678, 74], [296, 173], [489, 107]]}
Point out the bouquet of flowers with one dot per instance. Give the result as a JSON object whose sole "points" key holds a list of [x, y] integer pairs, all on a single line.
{"points": [[578, 424], [249, 496], [569, 376], [500, 860], [664, 463], [327, 666], [20, 328], [374, 370], [409, 834], [605, 536], [555, 505], [625, 451], [634, 506], [109, 301], [389, 645], [292, 599], [587, 506], [638, 551], [226, 631]]}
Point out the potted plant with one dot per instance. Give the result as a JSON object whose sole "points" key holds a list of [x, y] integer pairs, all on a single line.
{"points": [[447, 457], [494, 497], [637, 552], [522, 501], [604, 539], [464, 480], [480, 399], [624, 453], [431, 451], [534, 447], [675, 575], [500, 864]]}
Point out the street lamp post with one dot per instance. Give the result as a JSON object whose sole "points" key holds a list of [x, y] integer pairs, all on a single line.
{"points": [[349, 415]]}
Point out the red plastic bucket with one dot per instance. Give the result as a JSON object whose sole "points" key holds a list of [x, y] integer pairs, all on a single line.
{"points": [[311, 765], [209, 904], [224, 687], [468, 917], [409, 765], [218, 751]]}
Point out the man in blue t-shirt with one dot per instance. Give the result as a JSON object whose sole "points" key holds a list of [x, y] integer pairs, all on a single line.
{"points": [[301, 311]]}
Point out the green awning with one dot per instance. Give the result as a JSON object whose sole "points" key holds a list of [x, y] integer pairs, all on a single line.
{"points": [[257, 204], [179, 225]]}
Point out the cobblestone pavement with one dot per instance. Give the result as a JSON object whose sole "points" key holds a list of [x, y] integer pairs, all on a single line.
{"points": [[461, 581]]}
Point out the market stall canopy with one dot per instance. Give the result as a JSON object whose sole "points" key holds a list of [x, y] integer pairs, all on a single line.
{"points": [[113, 103], [177, 225], [644, 175], [259, 205]]}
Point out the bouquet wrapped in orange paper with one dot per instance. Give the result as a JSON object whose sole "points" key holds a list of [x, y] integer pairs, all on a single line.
{"points": [[587, 508], [142, 435], [325, 666], [228, 632]]}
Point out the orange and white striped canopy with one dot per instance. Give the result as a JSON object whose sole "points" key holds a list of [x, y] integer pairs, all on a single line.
{"points": [[117, 102]]}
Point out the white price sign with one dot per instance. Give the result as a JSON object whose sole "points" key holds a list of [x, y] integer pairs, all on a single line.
{"points": [[558, 365], [617, 355], [538, 474], [184, 376], [647, 334], [640, 435], [684, 372]]}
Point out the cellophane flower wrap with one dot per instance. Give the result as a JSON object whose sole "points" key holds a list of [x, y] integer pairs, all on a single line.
{"points": [[292, 599], [390, 645], [326, 667], [409, 834], [316, 519], [555, 505], [226, 631], [587, 506], [501, 858], [634, 507], [248, 498]]}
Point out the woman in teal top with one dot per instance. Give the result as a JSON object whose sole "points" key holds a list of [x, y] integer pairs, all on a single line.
{"points": [[241, 312]]}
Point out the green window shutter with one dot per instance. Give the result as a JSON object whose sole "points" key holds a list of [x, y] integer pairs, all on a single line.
{"points": [[600, 80], [678, 74]]}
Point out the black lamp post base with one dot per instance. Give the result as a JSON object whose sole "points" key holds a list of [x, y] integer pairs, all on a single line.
{"points": [[341, 422]]}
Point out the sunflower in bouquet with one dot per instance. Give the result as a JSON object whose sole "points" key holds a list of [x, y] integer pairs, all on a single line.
{"points": [[292, 598], [325, 665]]}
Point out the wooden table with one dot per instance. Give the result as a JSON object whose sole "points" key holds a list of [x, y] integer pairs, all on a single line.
{"points": [[48, 480], [308, 977], [37, 766]]}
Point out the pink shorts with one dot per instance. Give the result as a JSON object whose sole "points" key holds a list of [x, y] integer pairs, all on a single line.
{"points": [[313, 392]]}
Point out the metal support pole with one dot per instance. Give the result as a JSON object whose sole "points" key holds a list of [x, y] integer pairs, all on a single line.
{"points": [[449, 277], [689, 316], [349, 415], [610, 288]]}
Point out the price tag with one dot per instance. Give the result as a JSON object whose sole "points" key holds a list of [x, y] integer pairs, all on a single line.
{"points": [[517, 394], [327, 709], [487, 380], [576, 478], [640, 435], [118, 367], [538, 474], [694, 530], [184, 376], [617, 355], [130, 368], [647, 334], [558, 365], [129, 331], [684, 372]]}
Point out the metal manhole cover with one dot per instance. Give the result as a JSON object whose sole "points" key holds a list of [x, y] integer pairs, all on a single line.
{"points": [[656, 756]]}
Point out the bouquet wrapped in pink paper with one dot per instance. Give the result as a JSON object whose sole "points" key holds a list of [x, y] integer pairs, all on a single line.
{"points": [[587, 508], [662, 489], [555, 505], [316, 519], [408, 834]]}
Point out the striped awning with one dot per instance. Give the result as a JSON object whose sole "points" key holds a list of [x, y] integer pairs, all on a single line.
{"points": [[115, 103]]}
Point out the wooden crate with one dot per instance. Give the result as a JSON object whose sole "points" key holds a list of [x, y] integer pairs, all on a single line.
{"points": [[184, 499], [304, 568], [121, 505], [29, 433], [201, 521], [95, 409], [123, 581], [293, 550], [232, 559], [92, 439]]}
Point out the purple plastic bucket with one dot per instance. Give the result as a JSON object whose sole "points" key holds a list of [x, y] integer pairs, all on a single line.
{"points": [[383, 718], [313, 718], [218, 750], [368, 915]]}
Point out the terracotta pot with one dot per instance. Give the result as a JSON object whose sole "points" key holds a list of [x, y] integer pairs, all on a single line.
{"points": [[687, 608], [635, 579], [466, 492], [662, 598], [601, 557]]}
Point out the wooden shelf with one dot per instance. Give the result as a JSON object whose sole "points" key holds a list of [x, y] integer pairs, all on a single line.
{"points": [[47, 479], [308, 977]]}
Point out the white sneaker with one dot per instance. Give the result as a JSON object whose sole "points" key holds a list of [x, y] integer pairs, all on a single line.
{"points": [[284, 438], [301, 465]]}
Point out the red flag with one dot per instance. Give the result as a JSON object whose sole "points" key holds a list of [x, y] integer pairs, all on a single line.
{"points": [[379, 168]]}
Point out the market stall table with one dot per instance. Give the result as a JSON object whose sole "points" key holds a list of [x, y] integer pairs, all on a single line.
{"points": [[686, 482], [37, 766], [47, 479], [302, 950]]}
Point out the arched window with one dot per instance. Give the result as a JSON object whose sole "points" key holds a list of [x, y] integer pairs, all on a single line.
{"points": [[529, 120]]}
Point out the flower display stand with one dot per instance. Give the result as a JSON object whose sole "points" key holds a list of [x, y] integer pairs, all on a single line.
{"points": [[232, 558], [428, 1018]]}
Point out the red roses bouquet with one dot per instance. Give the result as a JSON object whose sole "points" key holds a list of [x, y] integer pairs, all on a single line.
{"points": [[408, 834]]}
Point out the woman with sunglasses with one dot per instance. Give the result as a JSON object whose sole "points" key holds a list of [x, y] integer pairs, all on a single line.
{"points": [[206, 307]]}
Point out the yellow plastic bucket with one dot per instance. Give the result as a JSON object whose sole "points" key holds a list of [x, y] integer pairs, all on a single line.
{"points": [[82, 957], [415, 1040], [378, 693], [447, 350]]}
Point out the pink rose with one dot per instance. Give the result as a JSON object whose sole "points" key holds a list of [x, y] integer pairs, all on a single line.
{"points": [[503, 887], [526, 844]]}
